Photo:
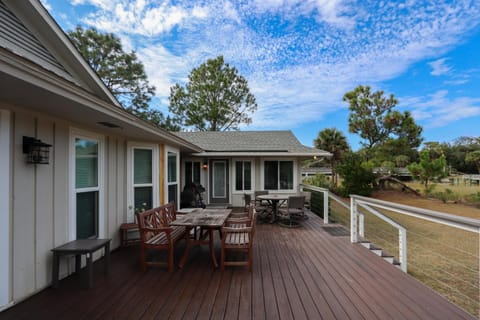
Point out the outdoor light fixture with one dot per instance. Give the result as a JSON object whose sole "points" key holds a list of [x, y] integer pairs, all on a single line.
{"points": [[37, 151], [205, 165]]}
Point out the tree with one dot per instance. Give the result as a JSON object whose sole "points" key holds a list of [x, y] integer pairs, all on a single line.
{"points": [[335, 142], [122, 73], [357, 177], [474, 157], [428, 168], [216, 98], [373, 118]]}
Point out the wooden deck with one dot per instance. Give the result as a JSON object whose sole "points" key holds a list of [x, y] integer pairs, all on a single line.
{"points": [[303, 273]]}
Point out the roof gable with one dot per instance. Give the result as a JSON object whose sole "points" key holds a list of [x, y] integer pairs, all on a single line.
{"points": [[28, 30]]}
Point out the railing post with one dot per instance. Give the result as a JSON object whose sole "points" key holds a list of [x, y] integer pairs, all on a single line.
{"points": [[402, 249], [361, 225], [325, 207], [353, 221]]}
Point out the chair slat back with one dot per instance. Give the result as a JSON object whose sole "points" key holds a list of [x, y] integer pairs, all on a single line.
{"points": [[150, 219], [170, 213], [260, 193], [296, 202]]}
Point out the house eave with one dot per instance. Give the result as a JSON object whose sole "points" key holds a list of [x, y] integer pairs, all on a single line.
{"points": [[27, 85], [40, 23], [262, 154]]}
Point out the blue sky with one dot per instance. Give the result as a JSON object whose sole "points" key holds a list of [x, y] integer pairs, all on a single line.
{"points": [[301, 56]]}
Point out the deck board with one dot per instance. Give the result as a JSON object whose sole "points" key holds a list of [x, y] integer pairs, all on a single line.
{"points": [[301, 273]]}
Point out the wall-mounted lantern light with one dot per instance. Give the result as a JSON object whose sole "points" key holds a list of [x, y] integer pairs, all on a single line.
{"points": [[37, 151], [205, 165]]}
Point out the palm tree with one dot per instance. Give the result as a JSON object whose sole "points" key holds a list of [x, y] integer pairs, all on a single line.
{"points": [[335, 142]]}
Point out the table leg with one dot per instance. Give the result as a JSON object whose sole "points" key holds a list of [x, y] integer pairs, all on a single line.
{"points": [[90, 269], [188, 243], [55, 270], [107, 258], [78, 263], [212, 249], [274, 211]]}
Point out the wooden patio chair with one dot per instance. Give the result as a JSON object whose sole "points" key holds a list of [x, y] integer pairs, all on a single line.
{"points": [[295, 208], [242, 220], [157, 234], [236, 239], [262, 207]]}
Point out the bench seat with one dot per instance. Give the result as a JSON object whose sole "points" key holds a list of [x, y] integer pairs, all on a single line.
{"points": [[156, 233]]}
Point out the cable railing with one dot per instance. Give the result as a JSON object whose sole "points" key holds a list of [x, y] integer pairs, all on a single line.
{"points": [[443, 249]]}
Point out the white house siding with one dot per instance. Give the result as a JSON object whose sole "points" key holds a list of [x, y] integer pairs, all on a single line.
{"points": [[40, 206]]}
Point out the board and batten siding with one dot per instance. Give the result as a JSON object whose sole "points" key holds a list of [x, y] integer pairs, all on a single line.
{"points": [[39, 211]]}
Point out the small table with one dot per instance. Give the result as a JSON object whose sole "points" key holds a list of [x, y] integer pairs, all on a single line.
{"points": [[209, 219], [274, 200], [125, 229], [78, 248]]}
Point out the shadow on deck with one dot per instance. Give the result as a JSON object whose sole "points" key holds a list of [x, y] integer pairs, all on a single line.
{"points": [[301, 273]]}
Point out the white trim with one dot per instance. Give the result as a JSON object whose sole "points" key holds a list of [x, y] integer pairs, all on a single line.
{"points": [[5, 211], [234, 175], [130, 176], [295, 174], [177, 175], [72, 220]]}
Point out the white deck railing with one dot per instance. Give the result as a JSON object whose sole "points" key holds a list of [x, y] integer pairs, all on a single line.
{"points": [[357, 221], [369, 204]]}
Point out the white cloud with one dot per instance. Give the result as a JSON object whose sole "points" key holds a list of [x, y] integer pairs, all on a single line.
{"points": [[439, 67], [299, 56], [46, 4], [140, 17], [438, 109]]}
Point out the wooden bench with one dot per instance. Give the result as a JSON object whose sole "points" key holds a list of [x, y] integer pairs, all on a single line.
{"points": [[78, 248], [156, 233]]}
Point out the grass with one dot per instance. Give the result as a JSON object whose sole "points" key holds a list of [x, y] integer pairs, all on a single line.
{"points": [[442, 257], [460, 191]]}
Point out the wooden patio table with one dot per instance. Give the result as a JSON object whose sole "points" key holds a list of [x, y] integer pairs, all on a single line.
{"points": [[209, 219]]}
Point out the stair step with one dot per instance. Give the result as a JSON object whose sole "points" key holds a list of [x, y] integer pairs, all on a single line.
{"points": [[379, 252]]}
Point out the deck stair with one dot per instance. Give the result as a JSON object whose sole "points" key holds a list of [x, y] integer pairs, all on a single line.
{"points": [[380, 252]]}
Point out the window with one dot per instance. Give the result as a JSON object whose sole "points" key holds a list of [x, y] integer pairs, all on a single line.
{"points": [[278, 175], [142, 178], [172, 174], [192, 172], [243, 175], [87, 187]]}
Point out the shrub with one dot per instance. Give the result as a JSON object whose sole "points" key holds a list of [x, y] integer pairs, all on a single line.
{"points": [[357, 178]]}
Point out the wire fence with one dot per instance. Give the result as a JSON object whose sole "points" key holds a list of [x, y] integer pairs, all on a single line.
{"points": [[445, 258]]}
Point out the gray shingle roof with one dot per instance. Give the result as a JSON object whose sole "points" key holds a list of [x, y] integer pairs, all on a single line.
{"points": [[247, 141]]}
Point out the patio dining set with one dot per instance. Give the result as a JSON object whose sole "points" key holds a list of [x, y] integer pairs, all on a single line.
{"points": [[163, 227]]}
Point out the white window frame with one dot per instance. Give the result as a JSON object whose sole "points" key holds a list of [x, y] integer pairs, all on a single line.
{"points": [[131, 146], [234, 175], [225, 195], [295, 175], [72, 217], [177, 182], [6, 298]]}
